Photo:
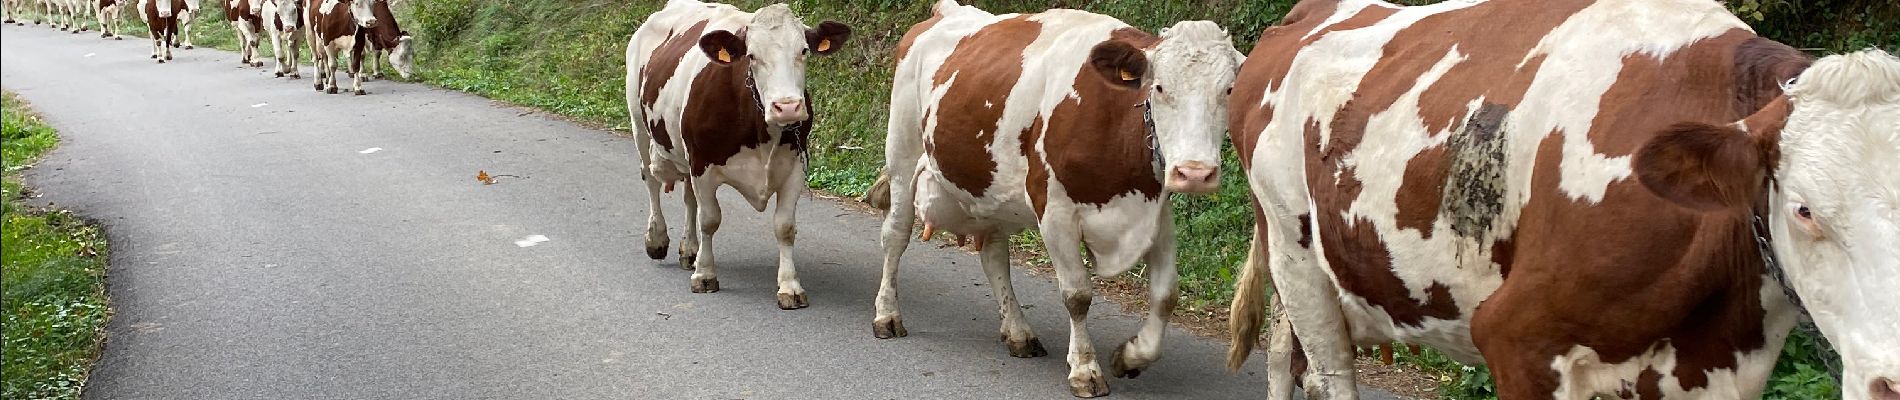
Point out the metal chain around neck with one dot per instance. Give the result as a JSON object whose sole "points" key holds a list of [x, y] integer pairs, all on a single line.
{"points": [[1160, 162], [752, 85]]}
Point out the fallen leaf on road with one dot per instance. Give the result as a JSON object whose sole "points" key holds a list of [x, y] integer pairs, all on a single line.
{"points": [[531, 240], [482, 176], [370, 150]]}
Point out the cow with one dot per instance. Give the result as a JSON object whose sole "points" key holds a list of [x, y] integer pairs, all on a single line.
{"points": [[388, 39], [184, 24], [69, 15], [1072, 123], [283, 20], [340, 25], [247, 18], [109, 18], [162, 17], [717, 96], [1618, 198]]}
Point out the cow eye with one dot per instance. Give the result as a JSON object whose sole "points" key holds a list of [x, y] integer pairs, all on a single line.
{"points": [[1804, 213], [1230, 90]]}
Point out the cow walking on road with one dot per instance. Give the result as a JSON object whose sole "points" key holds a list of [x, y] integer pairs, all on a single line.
{"points": [[717, 97], [1072, 123], [109, 18], [1615, 198], [162, 18], [247, 18], [283, 21], [352, 25]]}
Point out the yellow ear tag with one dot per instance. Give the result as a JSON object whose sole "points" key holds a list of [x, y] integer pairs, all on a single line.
{"points": [[1127, 77], [824, 45], [724, 57]]}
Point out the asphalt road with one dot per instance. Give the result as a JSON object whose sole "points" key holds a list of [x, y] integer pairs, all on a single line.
{"points": [[259, 253]]}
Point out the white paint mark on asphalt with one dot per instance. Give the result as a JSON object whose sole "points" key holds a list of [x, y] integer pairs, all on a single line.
{"points": [[259, 105], [91, 54], [370, 150], [531, 240]]}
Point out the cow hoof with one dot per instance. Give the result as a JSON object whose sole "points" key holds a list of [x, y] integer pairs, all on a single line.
{"points": [[360, 92], [659, 253], [168, 56], [1088, 385], [705, 285], [1120, 366], [319, 87], [154, 56], [886, 328], [189, 47], [1026, 348], [118, 38], [686, 261], [791, 301], [330, 91], [161, 61], [280, 74], [257, 63]]}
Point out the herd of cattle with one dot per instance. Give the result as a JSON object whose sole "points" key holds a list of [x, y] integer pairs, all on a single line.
{"points": [[1621, 198], [331, 29], [1596, 198]]}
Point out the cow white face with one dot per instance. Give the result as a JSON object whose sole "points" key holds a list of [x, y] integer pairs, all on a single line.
{"points": [[404, 55], [774, 47], [1833, 208], [1189, 77], [364, 15], [289, 13], [1836, 219]]}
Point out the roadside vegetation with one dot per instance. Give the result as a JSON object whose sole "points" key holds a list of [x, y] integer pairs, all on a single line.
{"points": [[52, 276], [567, 57]]}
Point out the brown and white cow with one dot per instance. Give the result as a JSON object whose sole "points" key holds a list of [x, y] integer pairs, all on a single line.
{"points": [[162, 17], [388, 39], [283, 21], [1574, 197], [247, 18], [352, 25], [1072, 123], [109, 15], [717, 97]]}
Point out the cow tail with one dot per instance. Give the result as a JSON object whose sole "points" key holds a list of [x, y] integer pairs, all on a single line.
{"points": [[1247, 313], [880, 193]]}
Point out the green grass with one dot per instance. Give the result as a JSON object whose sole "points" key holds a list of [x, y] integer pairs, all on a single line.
{"points": [[566, 56], [52, 270]]}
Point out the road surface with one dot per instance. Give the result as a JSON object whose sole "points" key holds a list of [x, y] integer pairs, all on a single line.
{"points": [[261, 251]]}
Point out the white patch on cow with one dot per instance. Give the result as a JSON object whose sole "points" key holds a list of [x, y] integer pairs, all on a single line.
{"points": [[1839, 147], [1590, 46], [1120, 233]]}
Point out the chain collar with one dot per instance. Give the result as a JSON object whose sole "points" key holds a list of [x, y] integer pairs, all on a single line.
{"points": [[1160, 163], [752, 85]]}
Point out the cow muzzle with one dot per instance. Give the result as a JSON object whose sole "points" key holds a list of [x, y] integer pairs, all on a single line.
{"points": [[787, 111], [1884, 389], [1193, 177]]}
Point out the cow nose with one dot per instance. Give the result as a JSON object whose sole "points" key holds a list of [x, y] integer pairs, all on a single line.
{"points": [[1884, 389], [1194, 177], [788, 110]]}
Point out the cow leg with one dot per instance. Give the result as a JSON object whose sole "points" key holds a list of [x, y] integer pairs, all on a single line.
{"points": [[277, 50], [895, 238], [1163, 291], [376, 65], [184, 25], [293, 49], [656, 238], [1016, 331], [705, 274], [1061, 236], [1312, 307], [689, 250], [791, 295], [356, 66]]}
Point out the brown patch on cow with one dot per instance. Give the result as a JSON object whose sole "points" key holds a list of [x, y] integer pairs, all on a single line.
{"points": [[986, 65], [387, 33], [1420, 191], [1649, 384], [107, 3], [1306, 231], [1761, 65], [910, 36], [661, 65], [1134, 37], [721, 118], [1037, 183], [337, 23], [1503, 253], [1097, 141], [1263, 70]]}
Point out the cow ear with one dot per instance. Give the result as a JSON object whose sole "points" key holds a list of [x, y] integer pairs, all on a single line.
{"points": [[1119, 63], [827, 37], [1704, 167], [722, 47]]}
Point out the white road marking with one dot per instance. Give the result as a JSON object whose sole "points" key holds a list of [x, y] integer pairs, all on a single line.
{"points": [[370, 150], [531, 240]]}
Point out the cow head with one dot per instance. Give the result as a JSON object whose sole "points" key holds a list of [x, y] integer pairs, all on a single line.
{"points": [[1822, 165], [1188, 77], [774, 47], [364, 14], [289, 13], [404, 55]]}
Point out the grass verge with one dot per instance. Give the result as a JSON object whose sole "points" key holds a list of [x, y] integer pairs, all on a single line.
{"points": [[52, 277]]}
